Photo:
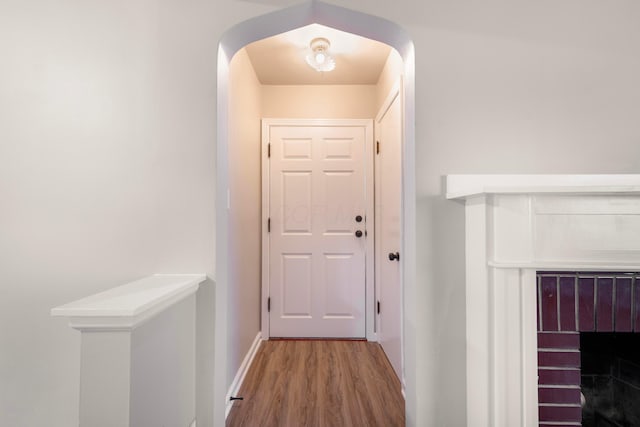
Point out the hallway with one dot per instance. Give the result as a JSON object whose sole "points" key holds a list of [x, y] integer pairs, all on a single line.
{"points": [[319, 383]]}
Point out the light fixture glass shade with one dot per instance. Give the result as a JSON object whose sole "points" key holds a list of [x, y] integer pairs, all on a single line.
{"points": [[319, 58]]}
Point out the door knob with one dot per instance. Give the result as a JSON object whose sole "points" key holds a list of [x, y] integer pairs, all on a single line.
{"points": [[394, 256], [359, 218], [358, 233]]}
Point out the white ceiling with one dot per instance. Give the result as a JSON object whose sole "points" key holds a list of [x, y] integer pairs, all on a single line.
{"points": [[280, 60]]}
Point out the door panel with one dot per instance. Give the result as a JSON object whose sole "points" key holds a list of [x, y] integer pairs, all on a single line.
{"points": [[296, 283], [338, 219], [296, 198], [317, 264], [338, 271]]}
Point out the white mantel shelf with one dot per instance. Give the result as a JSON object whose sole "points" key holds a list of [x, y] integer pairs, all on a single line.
{"points": [[464, 186], [126, 307]]}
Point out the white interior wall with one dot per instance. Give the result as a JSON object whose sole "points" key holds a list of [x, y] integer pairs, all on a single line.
{"points": [[107, 141], [319, 101], [107, 174], [244, 211], [392, 71]]}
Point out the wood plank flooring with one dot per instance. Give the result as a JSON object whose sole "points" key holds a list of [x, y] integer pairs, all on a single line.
{"points": [[319, 383]]}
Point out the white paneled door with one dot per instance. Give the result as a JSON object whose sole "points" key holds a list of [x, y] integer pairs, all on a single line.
{"points": [[389, 228], [317, 237]]}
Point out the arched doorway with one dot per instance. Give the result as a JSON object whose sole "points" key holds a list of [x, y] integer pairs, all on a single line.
{"points": [[269, 25]]}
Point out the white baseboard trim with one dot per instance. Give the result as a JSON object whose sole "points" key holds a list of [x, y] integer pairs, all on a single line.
{"points": [[234, 388]]}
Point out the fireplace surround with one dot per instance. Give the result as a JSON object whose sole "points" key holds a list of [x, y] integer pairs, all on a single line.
{"points": [[515, 226]]}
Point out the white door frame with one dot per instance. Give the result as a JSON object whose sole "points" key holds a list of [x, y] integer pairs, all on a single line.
{"points": [[367, 124], [364, 25]]}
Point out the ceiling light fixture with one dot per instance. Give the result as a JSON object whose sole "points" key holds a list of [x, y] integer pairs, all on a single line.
{"points": [[319, 59]]}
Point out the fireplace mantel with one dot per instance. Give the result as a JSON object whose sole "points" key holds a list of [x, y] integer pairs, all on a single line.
{"points": [[514, 226], [465, 186]]}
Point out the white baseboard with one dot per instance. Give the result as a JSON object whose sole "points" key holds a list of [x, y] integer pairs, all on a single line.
{"points": [[234, 388]]}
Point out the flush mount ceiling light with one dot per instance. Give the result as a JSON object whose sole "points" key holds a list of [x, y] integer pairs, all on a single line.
{"points": [[319, 59]]}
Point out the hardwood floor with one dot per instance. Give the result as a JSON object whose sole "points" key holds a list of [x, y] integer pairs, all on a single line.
{"points": [[319, 383]]}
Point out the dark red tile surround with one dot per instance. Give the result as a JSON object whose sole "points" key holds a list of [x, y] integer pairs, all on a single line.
{"points": [[570, 303]]}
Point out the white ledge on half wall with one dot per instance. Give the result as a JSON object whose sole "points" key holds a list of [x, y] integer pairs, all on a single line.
{"points": [[463, 186], [126, 307]]}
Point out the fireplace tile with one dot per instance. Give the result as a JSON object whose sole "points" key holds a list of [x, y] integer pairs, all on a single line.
{"points": [[623, 305], [559, 377], [559, 359], [560, 413], [586, 304], [559, 340], [559, 395], [604, 305], [567, 303], [549, 303]]}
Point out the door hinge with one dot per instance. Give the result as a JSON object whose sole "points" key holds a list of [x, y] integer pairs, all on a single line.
{"points": [[269, 150], [377, 147], [268, 225], [269, 304], [378, 307]]}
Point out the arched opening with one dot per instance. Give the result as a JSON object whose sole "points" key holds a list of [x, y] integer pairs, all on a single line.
{"points": [[266, 26]]}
